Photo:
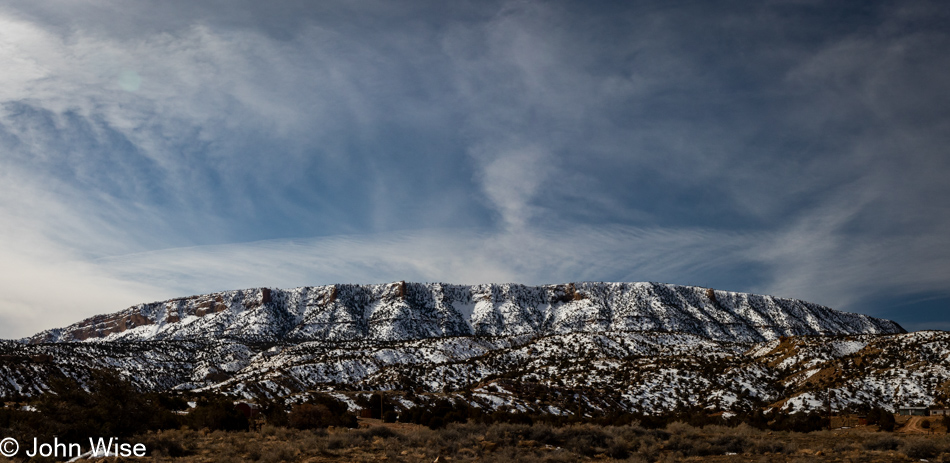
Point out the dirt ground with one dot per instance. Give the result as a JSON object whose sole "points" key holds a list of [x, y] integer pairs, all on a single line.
{"points": [[914, 425]]}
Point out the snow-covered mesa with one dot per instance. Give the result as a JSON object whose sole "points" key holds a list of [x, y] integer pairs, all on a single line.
{"points": [[585, 347], [405, 311]]}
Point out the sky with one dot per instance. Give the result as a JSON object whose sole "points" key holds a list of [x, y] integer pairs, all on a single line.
{"points": [[157, 149]]}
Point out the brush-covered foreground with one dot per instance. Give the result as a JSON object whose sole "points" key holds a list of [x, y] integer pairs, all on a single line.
{"points": [[209, 427], [505, 442]]}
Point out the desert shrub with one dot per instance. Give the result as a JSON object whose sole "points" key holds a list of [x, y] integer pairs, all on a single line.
{"points": [[845, 447], [649, 449], [278, 451], [701, 419], [562, 457], [692, 445], [520, 455], [756, 419], [8, 417], [769, 446], [443, 410], [659, 434], [716, 429], [883, 443], [679, 427], [217, 413], [618, 451], [110, 407], [920, 449], [274, 412], [381, 432], [729, 443], [505, 434], [171, 402], [436, 423], [254, 451], [584, 440], [14, 422], [309, 416], [451, 440], [285, 434], [336, 442], [800, 422], [543, 434], [164, 445], [619, 419], [499, 416], [627, 436], [312, 442], [655, 421], [745, 430], [227, 459], [321, 411]]}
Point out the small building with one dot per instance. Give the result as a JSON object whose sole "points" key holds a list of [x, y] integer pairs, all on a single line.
{"points": [[862, 420], [939, 411], [912, 411], [366, 413]]}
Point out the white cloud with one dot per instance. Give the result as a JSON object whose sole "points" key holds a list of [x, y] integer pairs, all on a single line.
{"points": [[37, 294], [817, 168], [511, 178], [456, 256]]}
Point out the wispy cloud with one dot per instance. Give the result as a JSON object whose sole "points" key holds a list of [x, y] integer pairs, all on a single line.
{"points": [[151, 151], [460, 256]]}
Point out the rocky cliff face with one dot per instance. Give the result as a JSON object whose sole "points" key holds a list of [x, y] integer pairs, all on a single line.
{"points": [[407, 311]]}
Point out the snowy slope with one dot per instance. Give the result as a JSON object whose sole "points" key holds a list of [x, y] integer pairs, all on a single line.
{"points": [[644, 372], [573, 348], [405, 311]]}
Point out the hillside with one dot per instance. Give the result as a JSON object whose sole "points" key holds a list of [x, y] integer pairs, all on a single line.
{"points": [[574, 348], [406, 311]]}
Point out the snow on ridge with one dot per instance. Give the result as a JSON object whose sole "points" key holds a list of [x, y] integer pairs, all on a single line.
{"points": [[652, 372], [401, 311]]}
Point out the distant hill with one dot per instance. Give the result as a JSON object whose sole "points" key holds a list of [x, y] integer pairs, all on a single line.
{"points": [[557, 349]]}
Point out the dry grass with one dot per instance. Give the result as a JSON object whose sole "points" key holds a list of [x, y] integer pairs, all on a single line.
{"points": [[399, 442]]}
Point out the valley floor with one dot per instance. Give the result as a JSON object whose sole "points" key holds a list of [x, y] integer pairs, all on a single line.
{"points": [[399, 442]]}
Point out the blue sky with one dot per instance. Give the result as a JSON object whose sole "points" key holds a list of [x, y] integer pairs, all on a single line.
{"points": [[157, 149]]}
